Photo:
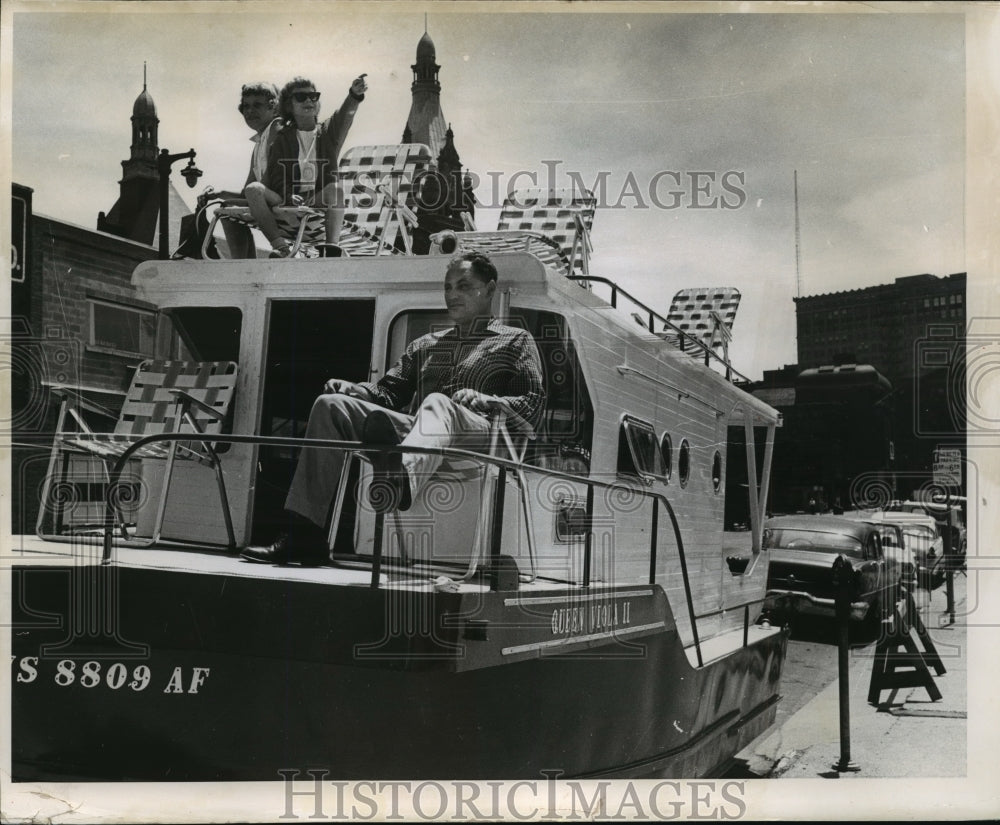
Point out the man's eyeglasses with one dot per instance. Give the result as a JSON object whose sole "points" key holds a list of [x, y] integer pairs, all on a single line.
{"points": [[302, 97]]}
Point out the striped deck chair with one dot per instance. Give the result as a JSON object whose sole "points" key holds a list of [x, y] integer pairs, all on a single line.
{"points": [[564, 215], [164, 397], [379, 188], [705, 315]]}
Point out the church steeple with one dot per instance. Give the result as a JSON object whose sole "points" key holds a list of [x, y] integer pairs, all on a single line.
{"points": [[426, 123], [145, 125], [136, 212], [444, 193]]}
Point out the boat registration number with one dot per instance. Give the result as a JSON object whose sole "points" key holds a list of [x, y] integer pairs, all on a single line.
{"points": [[114, 676]]}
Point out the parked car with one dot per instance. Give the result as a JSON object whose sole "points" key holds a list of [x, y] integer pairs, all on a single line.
{"points": [[950, 517], [803, 550], [894, 543], [922, 534]]}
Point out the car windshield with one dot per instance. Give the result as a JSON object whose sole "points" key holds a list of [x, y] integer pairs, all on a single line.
{"points": [[813, 540], [919, 535]]}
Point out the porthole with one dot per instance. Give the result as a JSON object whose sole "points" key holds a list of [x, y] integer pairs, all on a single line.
{"points": [[667, 449], [684, 462], [717, 470]]}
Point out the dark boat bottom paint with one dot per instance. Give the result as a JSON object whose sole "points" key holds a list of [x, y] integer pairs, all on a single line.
{"points": [[281, 689]]}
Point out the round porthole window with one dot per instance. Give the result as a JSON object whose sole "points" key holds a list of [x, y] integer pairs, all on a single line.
{"points": [[667, 448], [684, 462], [717, 470]]}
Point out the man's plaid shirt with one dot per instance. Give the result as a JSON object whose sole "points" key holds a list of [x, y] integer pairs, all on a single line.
{"points": [[495, 359]]}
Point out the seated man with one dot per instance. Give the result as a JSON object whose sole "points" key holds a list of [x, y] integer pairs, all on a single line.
{"points": [[259, 107], [449, 378]]}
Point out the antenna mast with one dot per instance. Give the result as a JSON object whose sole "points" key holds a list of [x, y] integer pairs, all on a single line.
{"points": [[798, 240]]}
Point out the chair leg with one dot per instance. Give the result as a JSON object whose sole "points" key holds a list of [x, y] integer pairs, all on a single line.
{"points": [[161, 507], [338, 501], [484, 518], [522, 482], [217, 466], [400, 537], [43, 505], [119, 513], [208, 236], [297, 243]]}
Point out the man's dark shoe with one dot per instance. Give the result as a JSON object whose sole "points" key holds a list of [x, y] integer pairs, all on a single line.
{"points": [[289, 548]]}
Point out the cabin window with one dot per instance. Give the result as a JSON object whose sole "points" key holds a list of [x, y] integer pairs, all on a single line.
{"points": [[205, 333], [667, 450], [717, 471], [638, 450], [565, 431], [121, 328], [684, 463]]}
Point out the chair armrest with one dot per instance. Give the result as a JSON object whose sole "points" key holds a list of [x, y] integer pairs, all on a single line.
{"points": [[513, 420], [185, 399], [83, 402]]}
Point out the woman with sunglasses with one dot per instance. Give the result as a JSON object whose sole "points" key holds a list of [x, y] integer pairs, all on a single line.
{"points": [[303, 160]]}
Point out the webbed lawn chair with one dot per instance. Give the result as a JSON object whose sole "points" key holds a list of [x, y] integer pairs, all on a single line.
{"points": [[705, 315], [564, 215], [164, 397], [380, 184]]}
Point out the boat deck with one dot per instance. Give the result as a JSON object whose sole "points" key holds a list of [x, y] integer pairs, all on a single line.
{"points": [[31, 550]]}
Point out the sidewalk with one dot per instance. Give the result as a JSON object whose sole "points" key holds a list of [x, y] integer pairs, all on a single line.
{"points": [[887, 741]]}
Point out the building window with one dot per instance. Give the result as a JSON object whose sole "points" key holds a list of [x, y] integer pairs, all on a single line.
{"points": [[958, 298], [717, 471], [122, 328]]}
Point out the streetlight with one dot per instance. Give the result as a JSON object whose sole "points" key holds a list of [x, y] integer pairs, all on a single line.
{"points": [[191, 174]]}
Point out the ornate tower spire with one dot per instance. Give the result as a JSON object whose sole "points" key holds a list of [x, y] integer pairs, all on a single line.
{"points": [[135, 213], [145, 125], [426, 121]]}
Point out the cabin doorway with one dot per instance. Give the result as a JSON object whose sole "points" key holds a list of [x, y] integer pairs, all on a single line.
{"points": [[307, 343]]}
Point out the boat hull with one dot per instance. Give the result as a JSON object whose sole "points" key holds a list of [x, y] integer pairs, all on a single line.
{"points": [[246, 677]]}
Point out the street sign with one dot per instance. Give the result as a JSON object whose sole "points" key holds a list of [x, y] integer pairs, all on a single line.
{"points": [[948, 467]]}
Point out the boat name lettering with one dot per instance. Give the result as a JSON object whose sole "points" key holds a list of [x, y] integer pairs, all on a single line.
{"points": [[114, 676], [591, 618]]}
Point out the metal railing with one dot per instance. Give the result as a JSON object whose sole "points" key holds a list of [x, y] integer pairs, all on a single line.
{"points": [[503, 466], [684, 339]]}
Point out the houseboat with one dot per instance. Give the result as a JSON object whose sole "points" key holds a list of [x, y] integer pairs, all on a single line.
{"points": [[567, 603]]}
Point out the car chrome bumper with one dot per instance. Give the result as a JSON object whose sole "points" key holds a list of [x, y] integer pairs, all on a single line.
{"points": [[797, 601]]}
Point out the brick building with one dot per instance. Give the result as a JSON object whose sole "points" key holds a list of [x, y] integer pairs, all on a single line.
{"points": [[880, 325], [911, 331], [76, 323]]}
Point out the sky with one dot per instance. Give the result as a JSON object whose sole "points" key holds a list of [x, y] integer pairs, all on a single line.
{"points": [[867, 110]]}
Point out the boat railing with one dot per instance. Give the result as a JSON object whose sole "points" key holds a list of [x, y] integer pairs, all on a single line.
{"points": [[685, 340], [746, 616], [502, 466]]}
